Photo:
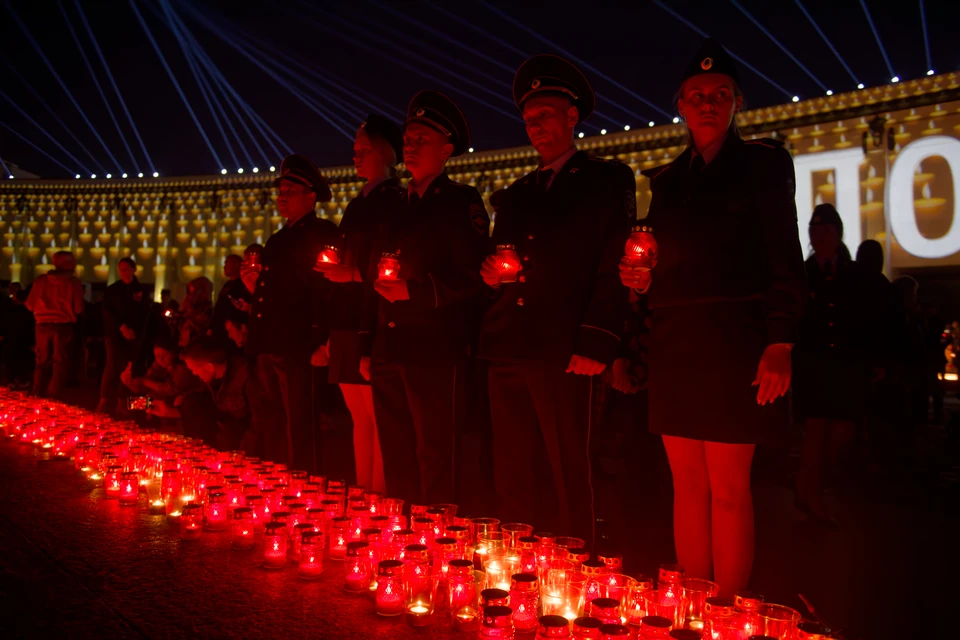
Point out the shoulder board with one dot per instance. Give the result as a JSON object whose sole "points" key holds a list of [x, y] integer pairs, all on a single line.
{"points": [[765, 142]]}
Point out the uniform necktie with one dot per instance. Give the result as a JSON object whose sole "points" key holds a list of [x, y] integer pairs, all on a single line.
{"points": [[543, 179], [697, 164], [415, 198]]}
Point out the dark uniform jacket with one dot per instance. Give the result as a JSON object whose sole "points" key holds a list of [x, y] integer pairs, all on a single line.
{"points": [[291, 300], [124, 304], [568, 298], [442, 241], [730, 234], [351, 330]]}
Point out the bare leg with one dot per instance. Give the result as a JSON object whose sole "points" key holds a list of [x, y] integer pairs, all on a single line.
{"points": [[366, 444], [728, 466], [691, 505]]}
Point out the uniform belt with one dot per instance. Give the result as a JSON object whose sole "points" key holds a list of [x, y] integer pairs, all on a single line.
{"points": [[755, 297]]}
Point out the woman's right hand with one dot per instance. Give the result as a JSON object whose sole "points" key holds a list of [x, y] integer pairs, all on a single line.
{"points": [[633, 278], [249, 274], [489, 271]]}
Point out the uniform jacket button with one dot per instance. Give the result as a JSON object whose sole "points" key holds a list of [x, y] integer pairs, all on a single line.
{"points": [[391, 324], [265, 268], [519, 302], [526, 258], [530, 237], [523, 278], [829, 324], [259, 315], [831, 345], [260, 299]]}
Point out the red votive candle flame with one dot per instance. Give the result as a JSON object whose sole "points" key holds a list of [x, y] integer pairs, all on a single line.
{"points": [[508, 262], [389, 266], [640, 251]]}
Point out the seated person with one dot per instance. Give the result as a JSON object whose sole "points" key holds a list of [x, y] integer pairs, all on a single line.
{"points": [[230, 393], [168, 379]]}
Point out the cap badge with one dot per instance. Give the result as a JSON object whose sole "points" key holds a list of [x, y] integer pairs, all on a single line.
{"points": [[706, 64], [420, 112], [816, 219], [363, 124], [535, 84]]}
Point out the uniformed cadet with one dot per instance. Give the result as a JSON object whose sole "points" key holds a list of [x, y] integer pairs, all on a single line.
{"points": [[729, 280], [422, 331], [288, 319], [559, 324], [376, 150]]}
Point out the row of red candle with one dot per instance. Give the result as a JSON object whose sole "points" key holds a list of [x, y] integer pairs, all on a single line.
{"points": [[216, 489]]}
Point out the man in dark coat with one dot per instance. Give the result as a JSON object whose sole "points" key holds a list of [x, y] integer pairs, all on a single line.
{"points": [[288, 321], [422, 333], [124, 325], [234, 297], [560, 322]]}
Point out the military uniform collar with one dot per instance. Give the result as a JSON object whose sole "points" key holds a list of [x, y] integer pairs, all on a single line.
{"points": [[430, 185], [557, 165], [370, 186], [302, 220]]}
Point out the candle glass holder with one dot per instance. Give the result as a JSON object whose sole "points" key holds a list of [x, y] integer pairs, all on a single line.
{"points": [[129, 487], [389, 266], [747, 605], [462, 589], [497, 622], [338, 536], [552, 626], [654, 628], [191, 522], [111, 481], [665, 604], [275, 545], [640, 252], [586, 627], [508, 263], [242, 528], [695, 593], [328, 255], [604, 609], [778, 621], [422, 582], [499, 572], [482, 525], [525, 601], [391, 592], [357, 568], [719, 618], [310, 566], [515, 531], [633, 607]]}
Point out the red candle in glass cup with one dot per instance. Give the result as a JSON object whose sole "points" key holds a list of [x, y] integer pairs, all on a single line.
{"points": [[357, 572], [275, 545], [243, 535], [640, 251], [389, 266], [525, 601], [553, 627], [111, 481], [191, 522], [338, 537], [216, 511], [129, 487], [614, 631], [296, 537], [508, 262], [461, 585], [391, 593], [328, 255], [605, 609], [311, 555]]}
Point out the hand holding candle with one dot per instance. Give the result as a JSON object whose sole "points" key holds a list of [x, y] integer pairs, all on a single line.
{"points": [[640, 257]]}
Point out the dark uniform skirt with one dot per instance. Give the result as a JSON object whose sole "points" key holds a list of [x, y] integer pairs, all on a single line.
{"points": [[828, 386], [344, 367], [703, 361]]}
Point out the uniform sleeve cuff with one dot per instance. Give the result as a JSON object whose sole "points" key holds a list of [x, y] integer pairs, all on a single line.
{"points": [[597, 344]]}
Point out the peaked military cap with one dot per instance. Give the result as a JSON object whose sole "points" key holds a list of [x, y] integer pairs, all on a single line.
{"points": [[439, 112], [385, 129], [296, 168], [826, 213], [549, 74], [711, 58]]}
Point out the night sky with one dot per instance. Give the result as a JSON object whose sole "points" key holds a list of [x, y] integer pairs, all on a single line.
{"points": [[338, 47]]}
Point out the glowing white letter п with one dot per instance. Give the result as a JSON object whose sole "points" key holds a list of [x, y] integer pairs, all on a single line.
{"points": [[903, 220], [846, 164]]}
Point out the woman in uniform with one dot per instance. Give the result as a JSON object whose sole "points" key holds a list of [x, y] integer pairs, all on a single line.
{"points": [[729, 281], [376, 149]]}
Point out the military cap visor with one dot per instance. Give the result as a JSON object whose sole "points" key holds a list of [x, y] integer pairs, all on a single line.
{"points": [[442, 114], [297, 169], [552, 75], [711, 58]]}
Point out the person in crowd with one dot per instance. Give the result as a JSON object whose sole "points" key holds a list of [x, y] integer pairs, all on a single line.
{"points": [[558, 324], [288, 319], [232, 389], [124, 322], [196, 313], [168, 379], [233, 297], [236, 328], [377, 148], [56, 300], [729, 271], [422, 336], [18, 337], [832, 358]]}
